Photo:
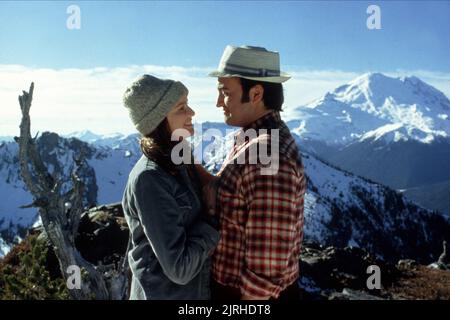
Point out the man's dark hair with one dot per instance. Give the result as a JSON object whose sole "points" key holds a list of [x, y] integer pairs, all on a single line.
{"points": [[273, 96]]}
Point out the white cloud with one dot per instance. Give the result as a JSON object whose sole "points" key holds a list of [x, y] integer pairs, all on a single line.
{"points": [[67, 100]]}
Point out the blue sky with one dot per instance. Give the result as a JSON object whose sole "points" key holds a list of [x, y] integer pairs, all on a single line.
{"points": [[312, 35], [82, 73]]}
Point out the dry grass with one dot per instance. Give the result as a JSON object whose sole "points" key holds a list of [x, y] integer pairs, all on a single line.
{"points": [[422, 283]]}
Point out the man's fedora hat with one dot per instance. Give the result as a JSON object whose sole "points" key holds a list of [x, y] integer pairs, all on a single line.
{"points": [[254, 63]]}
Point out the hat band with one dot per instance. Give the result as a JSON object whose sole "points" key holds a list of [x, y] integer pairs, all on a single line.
{"points": [[250, 72]]}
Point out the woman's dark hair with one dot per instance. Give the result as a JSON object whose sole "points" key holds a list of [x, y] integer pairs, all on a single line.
{"points": [[157, 146], [273, 96]]}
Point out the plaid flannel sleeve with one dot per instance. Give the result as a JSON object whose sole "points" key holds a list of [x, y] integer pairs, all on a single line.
{"points": [[271, 229]]}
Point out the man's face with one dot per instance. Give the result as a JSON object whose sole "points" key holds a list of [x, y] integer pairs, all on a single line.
{"points": [[235, 112]]}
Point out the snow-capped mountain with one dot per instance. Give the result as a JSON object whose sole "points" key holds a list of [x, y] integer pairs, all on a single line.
{"points": [[395, 131], [104, 173], [340, 208], [110, 140], [375, 106], [84, 135], [12, 219]]}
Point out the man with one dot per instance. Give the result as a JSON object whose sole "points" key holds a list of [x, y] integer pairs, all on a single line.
{"points": [[260, 212]]}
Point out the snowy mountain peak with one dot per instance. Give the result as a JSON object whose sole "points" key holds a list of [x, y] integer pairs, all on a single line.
{"points": [[371, 101], [84, 135], [371, 78], [87, 135], [376, 88], [365, 86]]}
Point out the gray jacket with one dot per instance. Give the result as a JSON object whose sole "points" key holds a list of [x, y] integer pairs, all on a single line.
{"points": [[169, 256]]}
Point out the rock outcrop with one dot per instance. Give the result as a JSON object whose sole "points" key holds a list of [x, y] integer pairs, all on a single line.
{"points": [[326, 272]]}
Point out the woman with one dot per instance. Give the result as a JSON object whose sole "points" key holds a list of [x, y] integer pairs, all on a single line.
{"points": [[171, 240]]}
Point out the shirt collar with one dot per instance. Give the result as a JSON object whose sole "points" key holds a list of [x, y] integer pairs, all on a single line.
{"points": [[267, 121], [262, 122]]}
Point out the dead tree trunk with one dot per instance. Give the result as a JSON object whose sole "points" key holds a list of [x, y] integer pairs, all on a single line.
{"points": [[60, 214]]}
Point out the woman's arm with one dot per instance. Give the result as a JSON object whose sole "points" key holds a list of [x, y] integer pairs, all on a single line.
{"points": [[181, 252]]}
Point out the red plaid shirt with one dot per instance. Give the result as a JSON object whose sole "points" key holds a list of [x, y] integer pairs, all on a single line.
{"points": [[261, 216]]}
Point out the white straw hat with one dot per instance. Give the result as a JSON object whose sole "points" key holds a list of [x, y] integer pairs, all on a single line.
{"points": [[254, 63]]}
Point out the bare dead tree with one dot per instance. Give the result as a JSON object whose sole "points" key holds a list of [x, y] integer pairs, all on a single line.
{"points": [[60, 214]]}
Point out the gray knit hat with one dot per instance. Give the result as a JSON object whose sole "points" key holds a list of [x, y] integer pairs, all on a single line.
{"points": [[149, 99]]}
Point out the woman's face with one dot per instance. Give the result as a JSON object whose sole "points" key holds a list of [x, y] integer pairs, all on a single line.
{"points": [[180, 116]]}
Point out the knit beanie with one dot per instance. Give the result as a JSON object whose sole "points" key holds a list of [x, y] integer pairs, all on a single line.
{"points": [[149, 99]]}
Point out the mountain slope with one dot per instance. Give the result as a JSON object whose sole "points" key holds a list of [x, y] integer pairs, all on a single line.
{"points": [[343, 209], [105, 172], [433, 196], [340, 208], [400, 165]]}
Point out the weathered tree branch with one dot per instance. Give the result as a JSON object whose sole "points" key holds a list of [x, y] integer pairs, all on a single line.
{"points": [[61, 214]]}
